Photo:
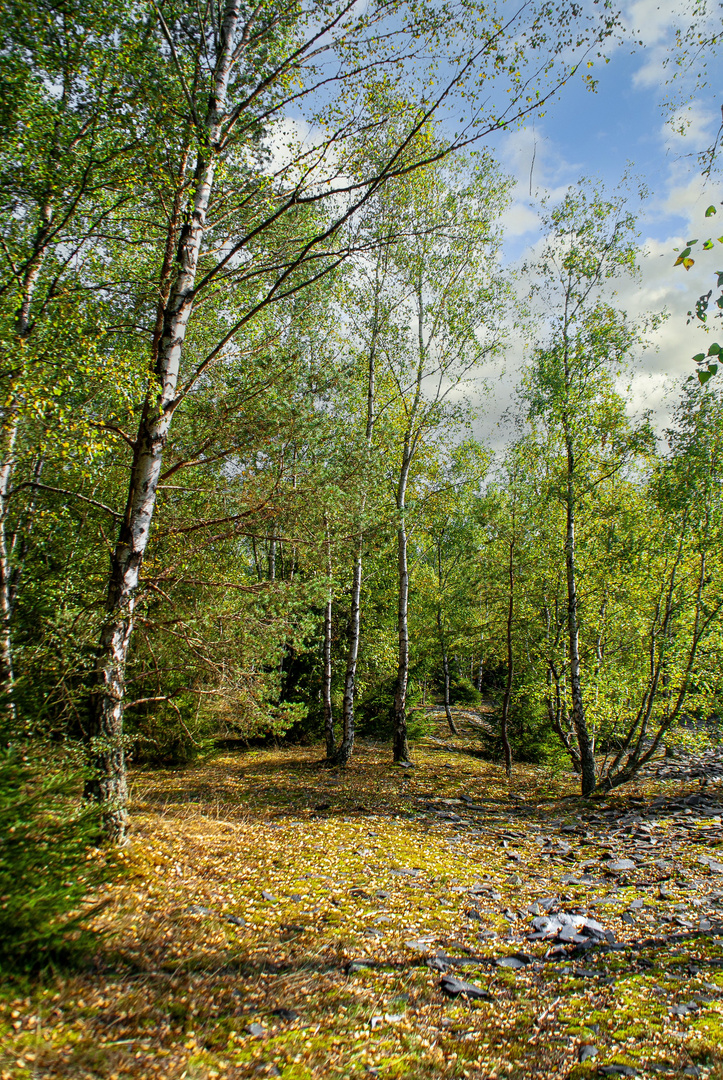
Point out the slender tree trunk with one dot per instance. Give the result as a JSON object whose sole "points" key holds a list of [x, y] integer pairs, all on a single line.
{"points": [[7, 681], [326, 686], [8, 439], [106, 740], [346, 746], [443, 643], [507, 750], [401, 746], [343, 754], [587, 756], [445, 671]]}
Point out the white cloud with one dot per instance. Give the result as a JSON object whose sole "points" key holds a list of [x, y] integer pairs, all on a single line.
{"points": [[539, 171]]}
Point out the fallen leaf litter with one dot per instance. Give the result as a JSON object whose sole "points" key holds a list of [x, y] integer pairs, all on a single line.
{"points": [[281, 919]]}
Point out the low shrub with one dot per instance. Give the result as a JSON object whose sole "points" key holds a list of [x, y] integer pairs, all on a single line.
{"points": [[50, 863]]}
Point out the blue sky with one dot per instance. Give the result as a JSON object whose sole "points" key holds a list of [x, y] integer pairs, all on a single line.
{"points": [[624, 126]]}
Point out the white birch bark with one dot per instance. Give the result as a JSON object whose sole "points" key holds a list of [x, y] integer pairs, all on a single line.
{"points": [[346, 746], [326, 681], [109, 786], [8, 439], [587, 755], [400, 744]]}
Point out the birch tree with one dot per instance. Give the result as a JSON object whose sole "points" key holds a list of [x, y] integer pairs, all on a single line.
{"points": [[444, 323], [570, 388], [68, 162], [254, 220]]}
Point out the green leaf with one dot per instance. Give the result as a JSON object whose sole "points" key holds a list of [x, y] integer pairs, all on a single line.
{"points": [[691, 242], [708, 245], [711, 211], [703, 376], [687, 263], [699, 357], [714, 349]]}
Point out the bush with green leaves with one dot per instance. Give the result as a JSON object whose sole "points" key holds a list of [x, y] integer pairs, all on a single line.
{"points": [[50, 866]]}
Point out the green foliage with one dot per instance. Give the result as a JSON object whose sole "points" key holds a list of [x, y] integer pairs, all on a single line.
{"points": [[532, 740], [49, 862], [462, 692], [375, 712]]}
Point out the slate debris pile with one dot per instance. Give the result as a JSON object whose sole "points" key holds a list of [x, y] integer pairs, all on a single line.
{"points": [[458, 988], [567, 929], [706, 766]]}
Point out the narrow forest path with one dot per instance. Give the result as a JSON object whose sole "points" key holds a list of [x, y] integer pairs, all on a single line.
{"points": [[278, 918]]}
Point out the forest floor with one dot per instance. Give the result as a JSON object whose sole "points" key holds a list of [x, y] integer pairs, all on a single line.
{"points": [[277, 918]]}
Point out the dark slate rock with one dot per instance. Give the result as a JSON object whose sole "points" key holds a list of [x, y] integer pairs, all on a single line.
{"points": [[198, 909], [457, 987], [618, 1070], [587, 1051], [418, 946], [715, 867], [435, 963], [236, 920], [594, 1028], [256, 1030], [547, 925], [359, 965], [619, 865], [265, 895], [678, 1010], [513, 962], [285, 1014]]}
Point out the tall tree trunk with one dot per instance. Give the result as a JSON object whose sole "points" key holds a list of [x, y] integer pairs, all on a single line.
{"points": [[445, 671], [506, 749], [401, 746], [411, 437], [443, 642], [8, 439], [106, 740], [346, 746], [587, 756], [7, 681], [480, 669], [326, 683]]}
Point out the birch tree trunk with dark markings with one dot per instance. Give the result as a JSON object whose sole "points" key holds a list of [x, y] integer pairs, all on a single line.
{"points": [[109, 785]]}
